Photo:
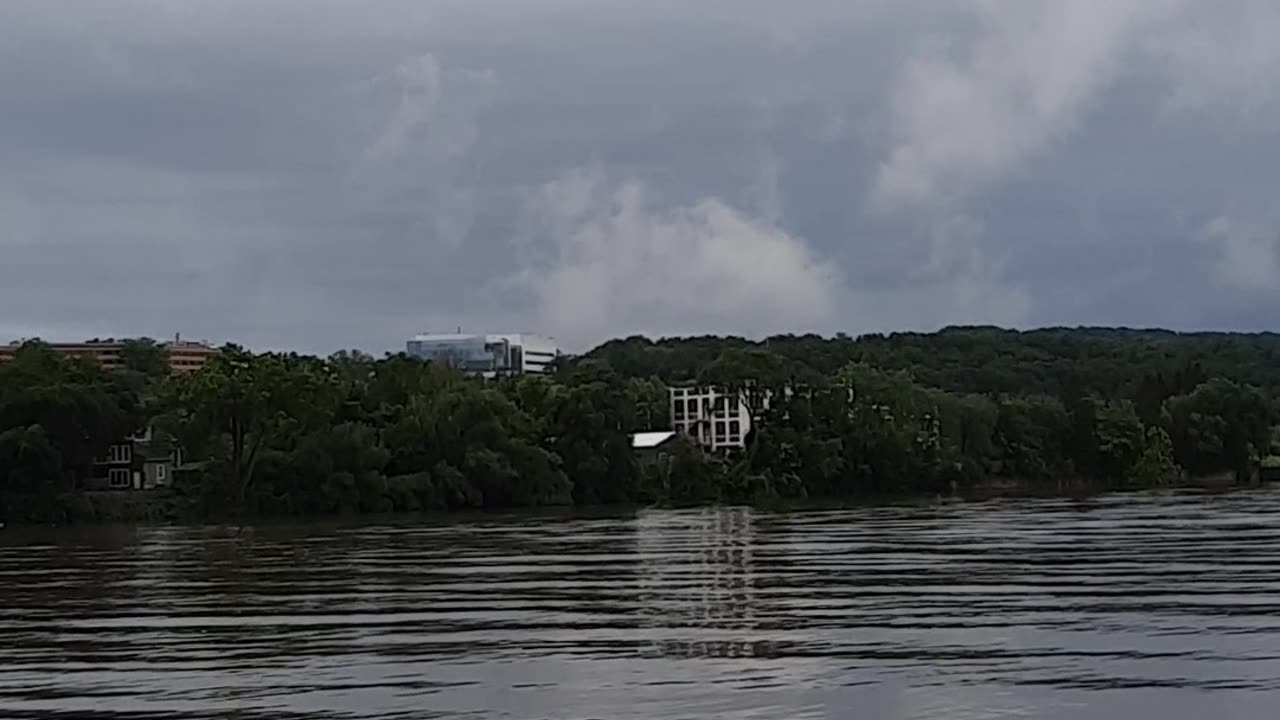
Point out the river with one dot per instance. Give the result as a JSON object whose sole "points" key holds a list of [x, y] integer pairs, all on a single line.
{"points": [[1126, 607]]}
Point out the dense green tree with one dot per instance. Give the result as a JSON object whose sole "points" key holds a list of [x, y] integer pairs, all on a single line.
{"points": [[1029, 435], [1156, 466], [1219, 426], [57, 415], [1110, 363], [1120, 440], [967, 426], [146, 358], [77, 408], [649, 404], [241, 404]]}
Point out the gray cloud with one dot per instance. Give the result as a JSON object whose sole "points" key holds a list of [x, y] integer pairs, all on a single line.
{"points": [[320, 174], [1246, 255]]}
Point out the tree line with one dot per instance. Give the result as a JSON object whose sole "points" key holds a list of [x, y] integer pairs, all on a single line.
{"points": [[285, 434]]}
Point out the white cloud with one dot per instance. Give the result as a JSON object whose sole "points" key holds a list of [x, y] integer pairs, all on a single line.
{"points": [[431, 109], [966, 116], [620, 266], [1248, 254], [422, 145], [969, 110], [417, 84]]}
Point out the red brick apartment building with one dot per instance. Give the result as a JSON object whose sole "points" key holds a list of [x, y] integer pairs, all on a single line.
{"points": [[184, 357]]}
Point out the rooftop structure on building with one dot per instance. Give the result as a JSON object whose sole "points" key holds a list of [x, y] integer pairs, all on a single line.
{"points": [[651, 439], [184, 356], [654, 447], [487, 355]]}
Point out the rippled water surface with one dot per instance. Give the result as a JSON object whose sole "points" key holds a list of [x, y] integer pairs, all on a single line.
{"points": [[1125, 607]]}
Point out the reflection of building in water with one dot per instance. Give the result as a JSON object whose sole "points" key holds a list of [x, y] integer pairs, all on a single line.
{"points": [[697, 581], [156, 561]]}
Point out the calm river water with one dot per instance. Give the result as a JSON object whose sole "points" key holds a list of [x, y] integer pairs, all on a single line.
{"points": [[1121, 607]]}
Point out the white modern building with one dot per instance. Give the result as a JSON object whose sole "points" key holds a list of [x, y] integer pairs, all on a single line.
{"points": [[487, 355], [715, 419]]}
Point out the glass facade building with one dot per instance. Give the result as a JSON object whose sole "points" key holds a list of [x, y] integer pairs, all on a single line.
{"points": [[487, 355]]}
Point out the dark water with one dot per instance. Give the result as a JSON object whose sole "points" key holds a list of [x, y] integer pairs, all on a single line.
{"points": [[1155, 606]]}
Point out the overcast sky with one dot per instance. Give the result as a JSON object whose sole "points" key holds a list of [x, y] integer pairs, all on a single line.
{"points": [[318, 174]]}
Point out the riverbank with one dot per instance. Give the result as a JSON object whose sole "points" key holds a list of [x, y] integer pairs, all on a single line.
{"points": [[91, 507], [167, 506]]}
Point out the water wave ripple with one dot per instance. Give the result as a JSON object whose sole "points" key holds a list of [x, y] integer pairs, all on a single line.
{"points": [[1149, 606]]}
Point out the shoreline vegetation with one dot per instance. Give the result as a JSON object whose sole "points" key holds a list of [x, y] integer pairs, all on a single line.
{"points": [[961, 412]]}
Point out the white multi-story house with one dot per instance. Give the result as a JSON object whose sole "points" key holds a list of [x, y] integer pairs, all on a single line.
{"points": [[487, 355], [143, 461], [716, 419]]}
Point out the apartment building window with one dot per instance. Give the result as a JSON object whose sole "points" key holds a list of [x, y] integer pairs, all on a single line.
{"points": [[120, 454], [118, 477]]}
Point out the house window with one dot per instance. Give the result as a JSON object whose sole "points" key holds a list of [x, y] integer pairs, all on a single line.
{"points": [[118, 477], [733, 404], [161, 471], [120, 453], [735, 428], [679, 409]]}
